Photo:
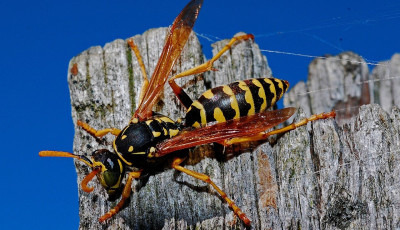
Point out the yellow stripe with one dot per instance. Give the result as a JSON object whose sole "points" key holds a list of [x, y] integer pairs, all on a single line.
{"points": [[234, 103], [218, 115], [156, 134], [139, 153], [119, 154], [208, 94], [166, 119], [196, 124], [148, 122], [271, 89], [121, 169], [173, 132], [248, 97], [198, 105]]}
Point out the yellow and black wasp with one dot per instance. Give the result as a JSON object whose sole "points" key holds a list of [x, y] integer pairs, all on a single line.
{"points": [[227, 114]]}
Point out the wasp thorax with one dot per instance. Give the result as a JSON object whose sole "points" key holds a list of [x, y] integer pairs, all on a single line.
{"points": [[111, 169]]}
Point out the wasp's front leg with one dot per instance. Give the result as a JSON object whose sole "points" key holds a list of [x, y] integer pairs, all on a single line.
{"points": [[125, 195]]}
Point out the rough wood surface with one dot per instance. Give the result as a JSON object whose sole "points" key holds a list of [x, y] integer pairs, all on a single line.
{"points": [[328, 177]]}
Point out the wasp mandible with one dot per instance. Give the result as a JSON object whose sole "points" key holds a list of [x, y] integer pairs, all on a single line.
{"points": [[228, 114]]}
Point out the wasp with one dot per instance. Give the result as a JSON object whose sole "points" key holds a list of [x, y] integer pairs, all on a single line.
{"points": [[229, 114]]}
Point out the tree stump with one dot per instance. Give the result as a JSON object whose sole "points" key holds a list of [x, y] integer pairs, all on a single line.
{"points": [[327, 177]]}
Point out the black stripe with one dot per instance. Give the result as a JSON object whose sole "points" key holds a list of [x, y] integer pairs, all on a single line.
{"points": [[268, 94], [220, 100], [284, 86], [244, 107], [258, 101], [277, 88], [192, 116]]}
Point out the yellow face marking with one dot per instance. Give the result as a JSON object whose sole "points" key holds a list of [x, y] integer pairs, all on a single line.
{"points": [[218, 115], [123, 137], [119, 154], [272, 89], [166, 119], [234, 103], [156, 134], [248, 97], [99, 164], [261, 94], [165, 131], [148, 122], [173, 132], [130, 149], [198, 105], [208, 94]]}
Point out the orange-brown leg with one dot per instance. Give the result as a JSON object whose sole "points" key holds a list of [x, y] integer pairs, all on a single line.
{"points": [[143, 69], [125, 195], [97, 133], [264, 135], [207, 66], [176, 165]]}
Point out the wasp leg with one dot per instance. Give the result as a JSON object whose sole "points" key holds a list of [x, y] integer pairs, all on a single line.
{"points": [[176, 165], [207, 66], [97, 133], [264, 135], [143, 69], [125, 195]]}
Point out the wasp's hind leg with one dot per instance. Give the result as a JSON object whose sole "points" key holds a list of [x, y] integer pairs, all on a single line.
{"points": [[176, 165], [264, 135], [207, 66], [125, 195], [97, 133]]}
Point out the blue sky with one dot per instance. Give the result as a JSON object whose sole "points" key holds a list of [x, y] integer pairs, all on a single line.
{"points": [[38, 39]]}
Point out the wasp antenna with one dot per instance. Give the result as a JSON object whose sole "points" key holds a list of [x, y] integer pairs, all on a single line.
{"points": [[65, 154], [87, 179]]}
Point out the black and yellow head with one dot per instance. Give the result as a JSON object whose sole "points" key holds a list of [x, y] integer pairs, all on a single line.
{"points": [[110, 169]]}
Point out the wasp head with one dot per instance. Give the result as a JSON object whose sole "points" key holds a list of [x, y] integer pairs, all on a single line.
{"points": [[108, 169]]}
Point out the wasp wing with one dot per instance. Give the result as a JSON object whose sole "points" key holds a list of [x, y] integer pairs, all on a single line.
{"points": [[241, 127], [174, 43]]}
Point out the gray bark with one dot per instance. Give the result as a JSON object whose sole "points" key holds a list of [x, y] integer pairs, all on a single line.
{"points": [[321, 177]]}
